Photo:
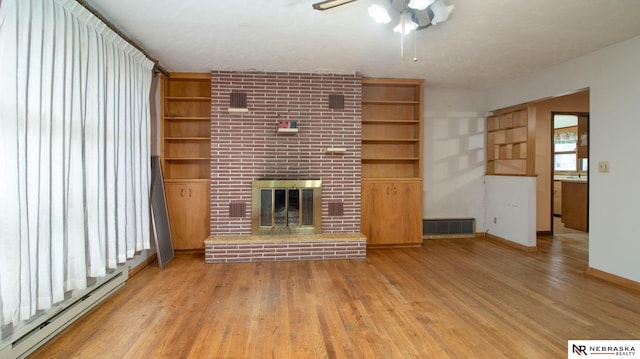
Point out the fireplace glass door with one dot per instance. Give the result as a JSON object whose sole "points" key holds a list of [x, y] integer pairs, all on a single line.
{"points": [[286, 208]]}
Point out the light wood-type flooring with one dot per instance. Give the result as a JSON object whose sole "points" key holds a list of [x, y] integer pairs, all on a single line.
{"points": [[450, 298]]}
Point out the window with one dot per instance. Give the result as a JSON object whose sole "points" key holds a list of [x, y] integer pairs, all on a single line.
{"points": [[565, 142]]}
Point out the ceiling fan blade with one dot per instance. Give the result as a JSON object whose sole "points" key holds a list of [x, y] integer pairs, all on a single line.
{"points": [[328, 4]]}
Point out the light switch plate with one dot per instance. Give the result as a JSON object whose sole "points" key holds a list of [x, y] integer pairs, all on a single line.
{"points": [[603, 166]]}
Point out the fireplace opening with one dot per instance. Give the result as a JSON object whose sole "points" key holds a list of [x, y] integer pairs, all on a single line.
{"points": [[286, 206]]}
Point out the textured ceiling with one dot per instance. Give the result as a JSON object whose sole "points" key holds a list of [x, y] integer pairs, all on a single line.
{"points": [[483, 43]]}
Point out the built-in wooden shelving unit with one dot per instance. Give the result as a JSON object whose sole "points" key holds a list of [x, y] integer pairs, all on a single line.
{"points": [[511, 143], [392, 161], [186, 148]]}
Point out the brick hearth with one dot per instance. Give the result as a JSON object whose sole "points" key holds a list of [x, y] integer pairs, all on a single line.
{"points": [[247, 248]]}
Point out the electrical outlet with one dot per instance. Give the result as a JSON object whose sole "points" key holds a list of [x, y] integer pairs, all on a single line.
{"points": [[603, 166], [495, 220]]}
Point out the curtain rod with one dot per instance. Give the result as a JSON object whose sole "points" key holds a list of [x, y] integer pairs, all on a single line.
{"points": [[156, 66]]}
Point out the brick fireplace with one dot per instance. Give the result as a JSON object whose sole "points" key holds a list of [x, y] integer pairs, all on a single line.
{"points": [[246, 146]]}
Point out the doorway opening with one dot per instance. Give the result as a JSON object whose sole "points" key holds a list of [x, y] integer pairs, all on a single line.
{"points": [[570, 159]]}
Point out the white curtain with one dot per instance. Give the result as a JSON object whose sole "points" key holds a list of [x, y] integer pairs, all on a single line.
{"points": [[74, 150]]}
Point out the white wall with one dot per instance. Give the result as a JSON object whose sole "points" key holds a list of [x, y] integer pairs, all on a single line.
{"points": [[511, 208], [454, 148], [613, 76]]}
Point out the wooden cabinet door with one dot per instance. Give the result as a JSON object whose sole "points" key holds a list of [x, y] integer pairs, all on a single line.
{"points": [[392, 212], [188, 207], [575, 205], [197, 213], [557, 198], [583, 137], [175, 208]]}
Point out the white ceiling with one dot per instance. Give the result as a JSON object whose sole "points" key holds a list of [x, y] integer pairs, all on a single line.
{"points": [[483, 43]]}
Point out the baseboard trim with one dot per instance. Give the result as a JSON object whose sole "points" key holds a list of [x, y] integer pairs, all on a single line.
{"points": [[448, 236], [453, 236], [135, 270], [612, 278], [511, 244], [188, 251], [400, 245]]}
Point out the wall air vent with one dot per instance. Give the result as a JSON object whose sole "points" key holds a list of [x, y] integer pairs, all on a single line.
{"points": [[336, 101], [237, 209], [336, 209], [238, 102], [448, 228]]}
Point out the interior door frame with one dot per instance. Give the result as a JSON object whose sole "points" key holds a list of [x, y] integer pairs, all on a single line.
{"points": [[575, 113]]}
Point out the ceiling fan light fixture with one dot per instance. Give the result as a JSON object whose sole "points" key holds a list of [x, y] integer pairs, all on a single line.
{"points": [[379, 14], [441, 11], [328, 4], [420, 4], [406, 24]]}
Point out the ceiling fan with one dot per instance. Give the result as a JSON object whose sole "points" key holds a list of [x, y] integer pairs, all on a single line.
{"points": [[413, 14]]}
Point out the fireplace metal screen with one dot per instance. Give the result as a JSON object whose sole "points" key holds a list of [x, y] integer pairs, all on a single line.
{"points": [[286, 206]]}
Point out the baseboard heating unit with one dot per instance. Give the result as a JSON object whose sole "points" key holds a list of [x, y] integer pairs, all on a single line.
{"points": [[38, 331], [448, 228]]}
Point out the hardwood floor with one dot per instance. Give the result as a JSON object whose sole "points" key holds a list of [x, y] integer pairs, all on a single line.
{"points": [[462, 298]]}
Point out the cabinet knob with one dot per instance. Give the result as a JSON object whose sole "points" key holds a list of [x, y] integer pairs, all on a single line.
{"points": [[182, 192]]}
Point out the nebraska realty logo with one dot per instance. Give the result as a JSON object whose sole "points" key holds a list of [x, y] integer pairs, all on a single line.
{"points": [[603, 348]]}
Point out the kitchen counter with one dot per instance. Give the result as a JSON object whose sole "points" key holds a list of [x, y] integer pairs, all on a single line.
{"points": [[575, 199], [584, 179]]}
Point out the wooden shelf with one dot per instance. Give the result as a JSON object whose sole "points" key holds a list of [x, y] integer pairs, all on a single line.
{"points": [[390, 122], [390, 140], [187, 138], [187, 118], [387, 179], [186, 158], [287, 131], [198, 180], [390, 159], [391, 127], [191, 76], [186, 125], [387, 102], [187, 98], [511, 142]]}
